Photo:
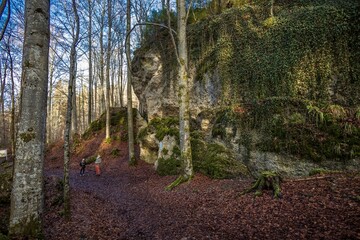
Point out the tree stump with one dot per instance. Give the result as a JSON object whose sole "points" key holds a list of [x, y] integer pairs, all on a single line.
{"points": [[268, 180]]}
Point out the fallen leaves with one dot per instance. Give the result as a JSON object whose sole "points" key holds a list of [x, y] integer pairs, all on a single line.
{"points": [[131, 203]]}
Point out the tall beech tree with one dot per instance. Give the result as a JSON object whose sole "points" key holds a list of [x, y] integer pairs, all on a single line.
{"points": [[90, 96], [183, 80], [27, 192], [72, 77], [107, 84], [132, 159]]}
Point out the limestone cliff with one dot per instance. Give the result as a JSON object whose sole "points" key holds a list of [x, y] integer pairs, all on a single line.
{"points": [[271, 90], [157, 92]]}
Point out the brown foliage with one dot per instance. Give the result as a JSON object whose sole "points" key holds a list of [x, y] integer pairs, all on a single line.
{"points": [[131, 203]]}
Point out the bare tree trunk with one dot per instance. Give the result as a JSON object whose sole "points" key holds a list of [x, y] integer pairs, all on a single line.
{"points": [[107, 89], [27, 192], [74, 114], [132, 159], [2, 7], [69, 112], [51, 76], [112, 85], [83, 106], [102, 97], [95, 82], [90, 104], [272, 8], [12, 126], [184, 115], [96, 102], [3, 81], [120, 77]]}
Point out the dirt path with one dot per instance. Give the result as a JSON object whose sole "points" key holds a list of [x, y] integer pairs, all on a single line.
{"points": [[131, 203]]}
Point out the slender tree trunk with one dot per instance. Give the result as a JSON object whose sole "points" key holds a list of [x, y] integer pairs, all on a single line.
{"points": [[27, 192], [112, 85], [74, 114], [3, 81], [90, 104], [51, 76], [95, 82], [96, 105], [102, 92], [2, 7], [132, 159], [120, 77], [272, 8], [69, 113], [82, 109], [107, 89], [12, 126], [184, 114]]}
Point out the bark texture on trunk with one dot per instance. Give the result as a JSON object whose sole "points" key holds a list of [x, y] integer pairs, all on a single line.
{"points": [[132, 159], [90, 107], [69, 113], [107, 89], [27, 192], [183, 76]]}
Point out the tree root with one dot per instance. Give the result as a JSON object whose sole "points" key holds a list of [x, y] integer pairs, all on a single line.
{"points": [[181, 179], [267, 180]]}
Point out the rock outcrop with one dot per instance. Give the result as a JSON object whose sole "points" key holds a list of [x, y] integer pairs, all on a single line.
{"points": [[157, 92], [280, 106]]}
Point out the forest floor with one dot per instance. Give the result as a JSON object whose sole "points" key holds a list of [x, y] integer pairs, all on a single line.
{"points": [[131, 203]]}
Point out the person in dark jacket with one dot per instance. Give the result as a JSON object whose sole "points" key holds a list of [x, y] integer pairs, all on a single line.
{"points": [[82, 165]]}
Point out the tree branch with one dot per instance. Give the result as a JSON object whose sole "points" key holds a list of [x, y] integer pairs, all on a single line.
{"points": [[7, 19]]}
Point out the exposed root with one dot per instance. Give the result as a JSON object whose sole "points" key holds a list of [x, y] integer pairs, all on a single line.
{"points": [[181, 179]]}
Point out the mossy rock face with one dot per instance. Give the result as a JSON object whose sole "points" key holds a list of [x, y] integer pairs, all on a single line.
{"points": [[149, 147], [151, 136], [170, 166], [168, 162], [165, 126], [215, 160], [161, 127]]}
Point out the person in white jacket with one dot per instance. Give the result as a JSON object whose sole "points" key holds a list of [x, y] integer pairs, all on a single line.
{"points": [[97, 165]]}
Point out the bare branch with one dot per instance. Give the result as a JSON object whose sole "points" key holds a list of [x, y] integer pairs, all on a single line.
{"points": [[7, 19]]}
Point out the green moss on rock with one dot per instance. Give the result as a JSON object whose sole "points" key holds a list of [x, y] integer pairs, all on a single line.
{"points": [[215, 161], [163, 126], [170, 166]]}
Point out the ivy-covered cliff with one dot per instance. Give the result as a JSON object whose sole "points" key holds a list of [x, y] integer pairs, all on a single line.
{"points": [[308, 50], [285, 84]]}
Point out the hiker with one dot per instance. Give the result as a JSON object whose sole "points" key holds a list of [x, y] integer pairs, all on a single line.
{"points": [[82, 165], [97, 165]]}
